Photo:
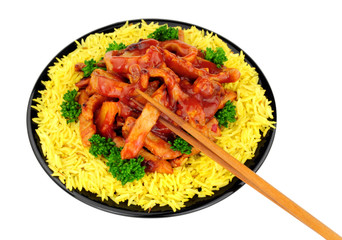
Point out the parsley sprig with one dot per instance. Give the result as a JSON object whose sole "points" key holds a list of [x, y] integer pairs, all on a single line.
{"points": [[179, 144], [226, 114], [218, 56], [164, 33], [71, 109], [115, 46], [123, 170], [100, 145]]}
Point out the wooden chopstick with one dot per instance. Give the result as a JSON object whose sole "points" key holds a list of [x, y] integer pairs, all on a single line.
{"points": [[216, 153]]}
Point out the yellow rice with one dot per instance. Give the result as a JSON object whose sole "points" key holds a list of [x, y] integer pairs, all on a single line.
{"points": [[77, 169]]}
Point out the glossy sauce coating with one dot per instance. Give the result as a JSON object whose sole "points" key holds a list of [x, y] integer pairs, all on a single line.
{"points": [[176, 75]]}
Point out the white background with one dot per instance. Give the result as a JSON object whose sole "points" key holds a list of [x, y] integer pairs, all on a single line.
{"points": [[295, 43]]}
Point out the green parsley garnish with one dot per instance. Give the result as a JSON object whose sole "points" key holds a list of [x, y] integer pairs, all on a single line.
{"points": [[218, 57], [114, 46], [71, 109], [100, 145], [123, 170], [179, 144], [164, 33], [226, 114], [91, 65]]}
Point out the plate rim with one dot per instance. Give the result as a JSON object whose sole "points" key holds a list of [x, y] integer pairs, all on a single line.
{"points": [[34, 141]]}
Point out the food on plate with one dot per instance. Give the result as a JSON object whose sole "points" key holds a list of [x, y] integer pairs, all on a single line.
{"points": [[99, 135], [112, 108]]}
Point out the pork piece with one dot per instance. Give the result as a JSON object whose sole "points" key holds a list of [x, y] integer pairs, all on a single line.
{"points": [[125, 111], [143, 125], [139, 79], [180, 66], [229, 95], [83, 97], [161, 96], [226, 76], [210, 93], [83, 83], [151, 88], [87, 130], [111, 116], [187, 69], [158, 129], [120, 142], [180, 48], [121, 64], [206, 65], [212, 129], [138, 76], [87, 127], [139, 48], [151, 162], [93, 103], [159, 165], [153, 143], [162, 131], [189, 108], [207, 88], [106, 84], [127, 127], [105, 118]]}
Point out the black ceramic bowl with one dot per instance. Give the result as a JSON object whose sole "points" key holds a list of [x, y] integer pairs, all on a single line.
{"points": [[193, 204]]}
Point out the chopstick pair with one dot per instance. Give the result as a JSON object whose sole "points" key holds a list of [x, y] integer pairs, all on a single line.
{"points": [[216, 153]]}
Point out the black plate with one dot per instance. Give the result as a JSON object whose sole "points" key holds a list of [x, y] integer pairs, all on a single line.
{"points": [[193, 204]]}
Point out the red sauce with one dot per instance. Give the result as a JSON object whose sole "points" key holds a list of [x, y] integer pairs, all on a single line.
{"points": [[150, 166], [191, 88], [121, 64], [139, 48], [207, 98], [110, 87], [124, 110], [204, 64], [163, 132], [214, 128]]}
